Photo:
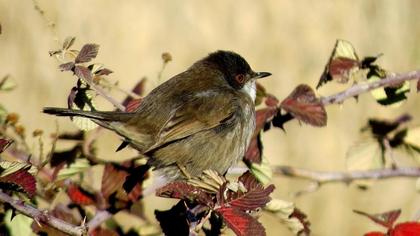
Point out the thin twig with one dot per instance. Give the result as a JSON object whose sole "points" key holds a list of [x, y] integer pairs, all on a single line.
{"points": [[323, 177], [98, 219], [43, 217], [366, 87]]}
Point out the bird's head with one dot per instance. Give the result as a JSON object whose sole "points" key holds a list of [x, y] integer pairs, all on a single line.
{"points": [[235, 68]]}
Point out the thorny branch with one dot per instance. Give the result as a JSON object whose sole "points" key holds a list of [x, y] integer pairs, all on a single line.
{"points": [[366, 87], [323, 177], [320, 177], [43, 217]]}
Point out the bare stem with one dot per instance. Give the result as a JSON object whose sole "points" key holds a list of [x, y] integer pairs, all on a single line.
{"points": [[346, 177], [366, 87], [42, 216]]}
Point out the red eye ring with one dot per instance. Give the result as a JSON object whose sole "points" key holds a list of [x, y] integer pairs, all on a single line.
{"points": [[240, 78]]}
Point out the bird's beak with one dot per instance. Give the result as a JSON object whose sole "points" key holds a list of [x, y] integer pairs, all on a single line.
{"points": [[259, 75]]}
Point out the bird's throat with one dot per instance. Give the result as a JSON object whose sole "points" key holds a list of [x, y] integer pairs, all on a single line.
{"points": [[250, 89]]}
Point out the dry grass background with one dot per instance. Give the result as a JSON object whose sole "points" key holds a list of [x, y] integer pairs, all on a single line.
{"points": [[291, 39]]}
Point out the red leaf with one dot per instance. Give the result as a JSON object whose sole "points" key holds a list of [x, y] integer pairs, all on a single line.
{"points": [[113, 179], [87, 53], [253, 153], [340, 68], [298, 214], [376, 233], [305, 106], [66, 66], [20, 180], [83, 73], [264, 116], [79, 195], [4, 143], [406, 229], [255, 197], [132, 105], [240, 222], [271, 100], [385, 219], [184, 191]]}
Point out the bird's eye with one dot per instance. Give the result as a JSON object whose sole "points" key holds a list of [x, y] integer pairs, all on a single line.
{"points": [[240, 78]]}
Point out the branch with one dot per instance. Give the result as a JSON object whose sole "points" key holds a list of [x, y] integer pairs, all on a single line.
{"points": [[365, 87], [334, 176], [42, 216]]}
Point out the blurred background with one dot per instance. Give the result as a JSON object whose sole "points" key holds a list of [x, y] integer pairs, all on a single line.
{"points": [[291, 39]]}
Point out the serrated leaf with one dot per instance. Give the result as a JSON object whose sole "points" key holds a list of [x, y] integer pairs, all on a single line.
{"points": [[21, 181], [77, 167], [386, 219], [305, 106], [240, 222], [87, 53], [184, 191], [68, 42], [7, 83], [255, 196], [210, 181], [342, 63], [9, 167]]}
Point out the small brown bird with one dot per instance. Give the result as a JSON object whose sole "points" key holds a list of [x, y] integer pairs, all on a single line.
{"points": [[200, 119]]}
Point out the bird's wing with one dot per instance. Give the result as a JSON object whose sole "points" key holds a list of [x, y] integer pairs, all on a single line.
{"points": [[203, 112]]}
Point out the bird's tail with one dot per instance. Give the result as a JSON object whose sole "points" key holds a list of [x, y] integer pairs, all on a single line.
{"points": [[96, 115]]}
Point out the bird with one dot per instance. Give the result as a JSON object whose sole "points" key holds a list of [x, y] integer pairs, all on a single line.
{"points": [[201, 119]]}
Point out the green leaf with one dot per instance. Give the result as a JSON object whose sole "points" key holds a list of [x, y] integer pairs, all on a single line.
{"points": [[3, 114], [9, 167], [20, 225], [365, 155], [79, 166], [390, 95], [283, 210], [7, 83], [262, 171]]}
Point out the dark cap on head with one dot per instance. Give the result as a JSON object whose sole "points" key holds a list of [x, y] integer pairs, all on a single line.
{"points": [[230, 64]]}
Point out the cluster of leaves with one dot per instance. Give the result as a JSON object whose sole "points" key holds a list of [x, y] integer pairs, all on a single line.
{"points": [[207, 203], [384, 144], [387, 220], [231, 202]]}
